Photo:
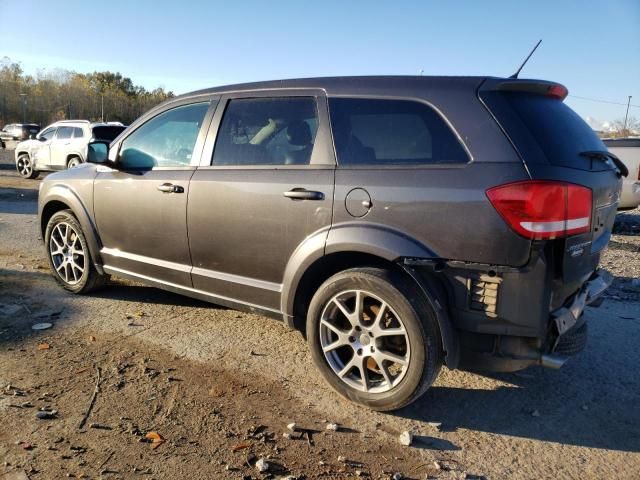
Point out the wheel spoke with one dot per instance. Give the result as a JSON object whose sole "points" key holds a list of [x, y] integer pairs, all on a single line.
{"points": [[364, 372], [359, 308], [344, 310], [54, 240], [347, 368], [388, 332], [380, 315], [332, 327], [385, 373], [332, 346], [391, 357]]}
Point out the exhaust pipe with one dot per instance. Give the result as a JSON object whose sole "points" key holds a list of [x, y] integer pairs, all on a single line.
{"points": [[552, 361]]}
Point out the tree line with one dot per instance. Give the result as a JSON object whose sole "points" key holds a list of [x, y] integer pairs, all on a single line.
{"points": [[55, 95]]}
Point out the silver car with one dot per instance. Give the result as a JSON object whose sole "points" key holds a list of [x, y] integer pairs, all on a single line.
{"points": [[61, 145]]}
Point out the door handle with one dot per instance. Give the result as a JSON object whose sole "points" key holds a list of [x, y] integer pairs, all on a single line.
{"points": [[303, 194], [170, 188]]}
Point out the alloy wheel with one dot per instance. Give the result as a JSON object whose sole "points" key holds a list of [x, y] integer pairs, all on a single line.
{"points": [[364, 341], [67, 253], [74, 162], [25, 168]]}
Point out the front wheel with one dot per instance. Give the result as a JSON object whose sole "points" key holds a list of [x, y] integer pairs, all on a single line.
{"points": [[374, 338], [69, 256], [24, 166]]}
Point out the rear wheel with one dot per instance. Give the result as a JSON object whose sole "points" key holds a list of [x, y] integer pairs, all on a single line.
{"points": [[69, 256], [74, 162], [374, 338], [24, 166]]}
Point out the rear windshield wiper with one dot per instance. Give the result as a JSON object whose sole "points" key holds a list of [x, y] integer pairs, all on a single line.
{"points": [[605, 155]]}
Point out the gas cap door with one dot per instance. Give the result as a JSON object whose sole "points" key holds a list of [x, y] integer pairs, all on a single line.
{"points": [[358, 202]]}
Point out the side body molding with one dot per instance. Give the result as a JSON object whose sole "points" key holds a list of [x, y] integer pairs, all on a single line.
{"points": [[66, 195]]}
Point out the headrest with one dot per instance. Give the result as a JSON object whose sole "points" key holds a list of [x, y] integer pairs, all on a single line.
{"points": [[299, 133]]}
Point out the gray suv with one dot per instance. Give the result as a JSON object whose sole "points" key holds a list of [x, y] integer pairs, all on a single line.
{"points": [[400, 223]]}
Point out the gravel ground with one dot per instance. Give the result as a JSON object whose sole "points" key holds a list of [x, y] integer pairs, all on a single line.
{"points": [[220, 387]]}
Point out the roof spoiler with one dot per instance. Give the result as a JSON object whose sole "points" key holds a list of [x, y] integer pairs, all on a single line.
{"points": [[536, 87]]}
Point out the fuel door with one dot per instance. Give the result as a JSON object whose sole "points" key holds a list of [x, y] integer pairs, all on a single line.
{"points": [[358, 202]]}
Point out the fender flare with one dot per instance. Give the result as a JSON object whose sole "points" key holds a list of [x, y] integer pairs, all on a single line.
{"points": [[74, 154], [435, 294], [65, 195]]}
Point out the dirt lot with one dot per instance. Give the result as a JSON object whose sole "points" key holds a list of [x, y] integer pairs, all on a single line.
{"points": [[221, 386]]}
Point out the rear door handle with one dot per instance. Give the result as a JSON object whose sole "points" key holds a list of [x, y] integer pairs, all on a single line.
{"points": [[303, 194], [170, 188]]}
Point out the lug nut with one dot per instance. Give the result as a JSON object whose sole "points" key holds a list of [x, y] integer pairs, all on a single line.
{"points": [[352, 339], [359, 351]]}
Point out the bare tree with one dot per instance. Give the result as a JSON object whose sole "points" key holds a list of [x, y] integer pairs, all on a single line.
{"points": [[618, 128]]}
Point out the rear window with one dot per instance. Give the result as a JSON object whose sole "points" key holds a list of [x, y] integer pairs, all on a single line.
{"points": [[391, 132], [108, 133], [559, 131]]}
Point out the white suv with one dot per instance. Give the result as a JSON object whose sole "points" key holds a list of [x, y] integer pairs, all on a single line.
{"points": [[628, 150], [61, 145]]}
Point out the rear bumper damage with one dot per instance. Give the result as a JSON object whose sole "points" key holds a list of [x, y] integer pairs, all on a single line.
{"points": [[566, 335]]}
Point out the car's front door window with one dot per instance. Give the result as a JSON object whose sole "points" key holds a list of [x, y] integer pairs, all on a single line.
{"points": [[166, 140], [48, 134]]}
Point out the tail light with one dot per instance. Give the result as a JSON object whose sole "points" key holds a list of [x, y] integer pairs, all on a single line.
{"points": [[540, 209]]}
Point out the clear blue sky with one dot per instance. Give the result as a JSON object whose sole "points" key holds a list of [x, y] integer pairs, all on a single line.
{"points": [[593, 47]]}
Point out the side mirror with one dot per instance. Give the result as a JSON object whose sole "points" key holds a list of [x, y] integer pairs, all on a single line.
{"points": [[98, 152]]}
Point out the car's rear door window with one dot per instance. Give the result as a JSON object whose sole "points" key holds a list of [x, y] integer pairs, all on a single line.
{"points": [[77, 133], [267, 131], [107, 132], [391, 132]]}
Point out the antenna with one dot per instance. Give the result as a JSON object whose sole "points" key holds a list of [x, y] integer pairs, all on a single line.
{"points": [[515, 75]]}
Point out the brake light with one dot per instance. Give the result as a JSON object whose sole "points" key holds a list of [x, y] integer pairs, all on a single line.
{"points": [[541, 209], [557, 91]]}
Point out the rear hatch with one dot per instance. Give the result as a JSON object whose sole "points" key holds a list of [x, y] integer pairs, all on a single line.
{"points": [[555, 144]]}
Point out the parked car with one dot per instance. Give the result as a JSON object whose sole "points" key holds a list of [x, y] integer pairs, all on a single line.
{"points": [[628, 150], [17, 132], [61, 145], [401, 223]]}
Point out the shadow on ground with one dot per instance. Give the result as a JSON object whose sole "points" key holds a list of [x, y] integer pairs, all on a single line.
{"points": [[591, 402]]}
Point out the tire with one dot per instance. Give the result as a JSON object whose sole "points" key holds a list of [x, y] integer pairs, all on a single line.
{"points": [[24, 166], [74, 162], [68, 254], [389, 301]]}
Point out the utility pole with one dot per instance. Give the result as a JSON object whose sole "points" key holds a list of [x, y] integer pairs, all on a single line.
{"points": [[626, 115], [24, 107]]}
